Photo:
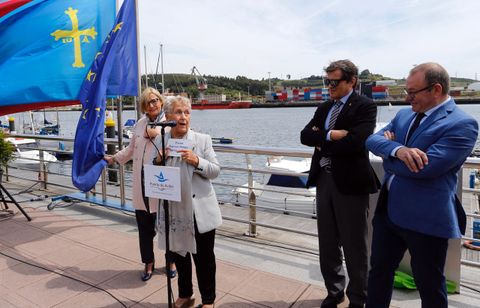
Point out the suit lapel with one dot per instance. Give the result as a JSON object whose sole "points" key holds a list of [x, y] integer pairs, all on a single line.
{"points": [[438, 114], [346, 107], [323, 116]]}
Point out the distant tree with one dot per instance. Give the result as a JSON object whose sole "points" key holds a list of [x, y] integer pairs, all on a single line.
{"points": [[365, 74]]}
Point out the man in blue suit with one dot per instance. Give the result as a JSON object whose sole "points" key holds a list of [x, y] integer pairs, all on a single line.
{"points": [[422, 149]]}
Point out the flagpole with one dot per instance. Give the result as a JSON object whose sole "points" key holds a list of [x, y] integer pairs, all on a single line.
{"points": [[137, 110]]}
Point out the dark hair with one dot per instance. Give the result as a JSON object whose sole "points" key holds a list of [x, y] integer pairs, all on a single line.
{"points": [[349, 70], [434, 73]]}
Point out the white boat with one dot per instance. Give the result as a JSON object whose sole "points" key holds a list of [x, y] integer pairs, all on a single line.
{"points": [[282, 190], [128, 128], [46, 128], [27, 158]]}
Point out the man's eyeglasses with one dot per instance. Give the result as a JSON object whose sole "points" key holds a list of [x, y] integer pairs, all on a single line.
{"points": [[153, 101], [333, 82], [412, 93]]}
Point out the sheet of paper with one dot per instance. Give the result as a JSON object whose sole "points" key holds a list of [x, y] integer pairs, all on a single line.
{"points": [[178, 144]]}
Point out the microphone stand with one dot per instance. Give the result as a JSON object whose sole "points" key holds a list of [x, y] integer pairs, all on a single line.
{"points": [[167, 229]]}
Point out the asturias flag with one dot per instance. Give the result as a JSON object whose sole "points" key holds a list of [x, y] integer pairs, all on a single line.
{"points": [[118, 54], [46, 49]]}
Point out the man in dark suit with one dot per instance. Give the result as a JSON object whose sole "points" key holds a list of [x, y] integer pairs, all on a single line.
{"points": [[342, 173], [422, 148]]}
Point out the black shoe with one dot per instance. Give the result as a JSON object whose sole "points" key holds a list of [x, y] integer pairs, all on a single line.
{"points": [[172, 273], [332, 301], [146, 275], [355, 306]]}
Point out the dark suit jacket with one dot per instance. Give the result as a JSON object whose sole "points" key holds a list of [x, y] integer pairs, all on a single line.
{"points": [[351, 169]]}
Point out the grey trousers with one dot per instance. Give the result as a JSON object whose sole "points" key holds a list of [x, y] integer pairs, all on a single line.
{"points": [[342, 223]]}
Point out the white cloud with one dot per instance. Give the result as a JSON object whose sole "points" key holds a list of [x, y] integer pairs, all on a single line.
{"points": [[254, 37]]}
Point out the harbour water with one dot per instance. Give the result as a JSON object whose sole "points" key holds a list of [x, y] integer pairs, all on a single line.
{"points": [[269, 127]]}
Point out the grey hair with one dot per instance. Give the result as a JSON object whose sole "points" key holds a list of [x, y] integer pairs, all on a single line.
{"points": [[434, 73], [172, 100]]}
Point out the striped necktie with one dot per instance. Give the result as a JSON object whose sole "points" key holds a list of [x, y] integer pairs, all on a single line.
{"points": [[325, 161]]}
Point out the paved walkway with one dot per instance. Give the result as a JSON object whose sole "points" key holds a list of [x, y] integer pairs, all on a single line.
{"points": [[75, 257]]}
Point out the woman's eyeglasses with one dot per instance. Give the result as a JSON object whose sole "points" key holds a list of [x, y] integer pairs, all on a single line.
{"points": [[333, 82], [181, 112], [153, 101]]}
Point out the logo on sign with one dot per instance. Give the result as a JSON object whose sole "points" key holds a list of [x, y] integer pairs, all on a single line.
{"points": [[161, 178]]}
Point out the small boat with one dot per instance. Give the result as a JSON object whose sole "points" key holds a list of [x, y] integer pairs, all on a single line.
{"points": [[128, 128], [28, 158], [61, 149], [222, 140], [281, 190]]}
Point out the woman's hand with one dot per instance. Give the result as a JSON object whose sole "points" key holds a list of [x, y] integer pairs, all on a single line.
{"points": [[189, 157], [158, 159], [151, 133], [110, 160]]}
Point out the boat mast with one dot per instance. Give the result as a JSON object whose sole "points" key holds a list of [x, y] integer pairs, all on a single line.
{"points": [[163, 80], [146, 74]]}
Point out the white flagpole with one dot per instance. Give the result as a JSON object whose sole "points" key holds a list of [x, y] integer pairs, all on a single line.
{"points": [[137, 111]]}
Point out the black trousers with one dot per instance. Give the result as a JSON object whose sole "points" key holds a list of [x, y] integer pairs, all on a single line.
{"points": [[428, 255], [342, 223], [146, 233], [205, 267]]}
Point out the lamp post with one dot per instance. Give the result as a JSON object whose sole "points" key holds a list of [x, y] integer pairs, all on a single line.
{"points": [[269, 83]]}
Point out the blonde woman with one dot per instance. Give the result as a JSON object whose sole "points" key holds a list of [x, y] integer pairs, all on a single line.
{"points": [[140, 150]]}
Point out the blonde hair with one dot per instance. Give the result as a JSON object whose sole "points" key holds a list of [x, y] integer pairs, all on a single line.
{"points": [[145, 96]]}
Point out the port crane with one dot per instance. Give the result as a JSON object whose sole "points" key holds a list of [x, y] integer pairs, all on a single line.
{"points": [[201, 84]]}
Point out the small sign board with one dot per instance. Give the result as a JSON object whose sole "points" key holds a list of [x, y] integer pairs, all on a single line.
{"points": [[162, 182]]}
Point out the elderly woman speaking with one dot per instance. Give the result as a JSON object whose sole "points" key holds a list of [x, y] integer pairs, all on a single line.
{"points": [[194, 219]]}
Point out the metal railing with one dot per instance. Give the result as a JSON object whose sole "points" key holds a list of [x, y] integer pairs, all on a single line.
{"points": [[251, 156]]}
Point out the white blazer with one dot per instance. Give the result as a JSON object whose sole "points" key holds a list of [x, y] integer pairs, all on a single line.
{"points": [[204, 200]]}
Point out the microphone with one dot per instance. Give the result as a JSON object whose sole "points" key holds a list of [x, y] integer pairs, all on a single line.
{"points": [[163, 124]]}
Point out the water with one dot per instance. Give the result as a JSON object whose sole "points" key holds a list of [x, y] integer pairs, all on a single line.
{"points": [[268, 127]]}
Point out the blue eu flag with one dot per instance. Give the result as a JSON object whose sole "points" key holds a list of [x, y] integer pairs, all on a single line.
{"points": [[120, 51]]}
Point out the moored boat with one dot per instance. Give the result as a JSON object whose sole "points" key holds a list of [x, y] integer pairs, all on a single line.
{"points": [[222, 105], [281, 190], [27, 158]]}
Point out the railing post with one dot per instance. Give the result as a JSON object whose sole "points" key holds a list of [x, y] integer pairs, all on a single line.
{"points": [[252, 201], [110, 129], [42, 173], [104, 185], [122, 184]]}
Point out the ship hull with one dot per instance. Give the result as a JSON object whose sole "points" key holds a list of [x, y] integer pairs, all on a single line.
{"points": [[223, 105]]}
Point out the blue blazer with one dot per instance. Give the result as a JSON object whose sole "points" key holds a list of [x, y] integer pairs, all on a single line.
{"points": [[425, 201]]}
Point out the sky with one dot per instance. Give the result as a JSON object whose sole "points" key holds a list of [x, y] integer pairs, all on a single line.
{"points": [[300, 37]]}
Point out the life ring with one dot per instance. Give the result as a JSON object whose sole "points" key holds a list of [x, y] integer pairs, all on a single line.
{"points": [[475, 245]]}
